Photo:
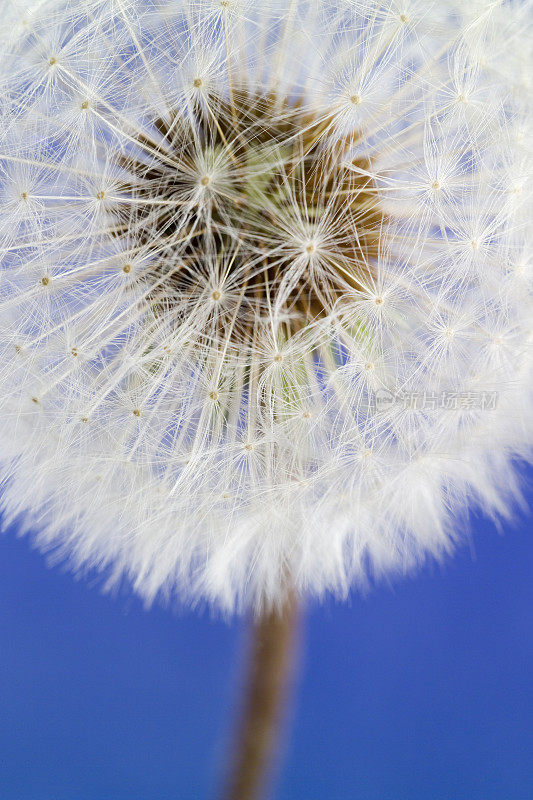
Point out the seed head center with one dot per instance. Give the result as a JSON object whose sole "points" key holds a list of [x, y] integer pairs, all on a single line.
{"points": [[281, 175]]}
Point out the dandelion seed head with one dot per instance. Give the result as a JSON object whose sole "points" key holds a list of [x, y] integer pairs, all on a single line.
{"points": [[225, 228]]}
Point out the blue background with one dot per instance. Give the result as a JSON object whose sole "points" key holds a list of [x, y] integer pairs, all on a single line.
{"points": [[419, 690]]}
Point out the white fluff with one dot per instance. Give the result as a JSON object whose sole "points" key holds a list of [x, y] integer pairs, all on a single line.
{"points": [[136, 437]]}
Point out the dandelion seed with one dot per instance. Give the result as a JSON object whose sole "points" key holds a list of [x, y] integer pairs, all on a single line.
{"points": [[254, 218]]}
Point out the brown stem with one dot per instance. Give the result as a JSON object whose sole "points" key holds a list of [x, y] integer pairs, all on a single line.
{"points": [[269, 672]]}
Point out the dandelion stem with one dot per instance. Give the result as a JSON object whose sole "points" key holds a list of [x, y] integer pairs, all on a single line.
{"points": [[271, 651]]}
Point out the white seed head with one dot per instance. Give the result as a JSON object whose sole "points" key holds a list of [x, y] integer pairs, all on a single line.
{"points": [[264, 269]]}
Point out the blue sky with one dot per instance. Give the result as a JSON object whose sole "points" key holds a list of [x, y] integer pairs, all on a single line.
{"points": [[419, 690]]}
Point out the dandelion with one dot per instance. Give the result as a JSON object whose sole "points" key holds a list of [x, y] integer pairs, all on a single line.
{"points": [[225, 229]]}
